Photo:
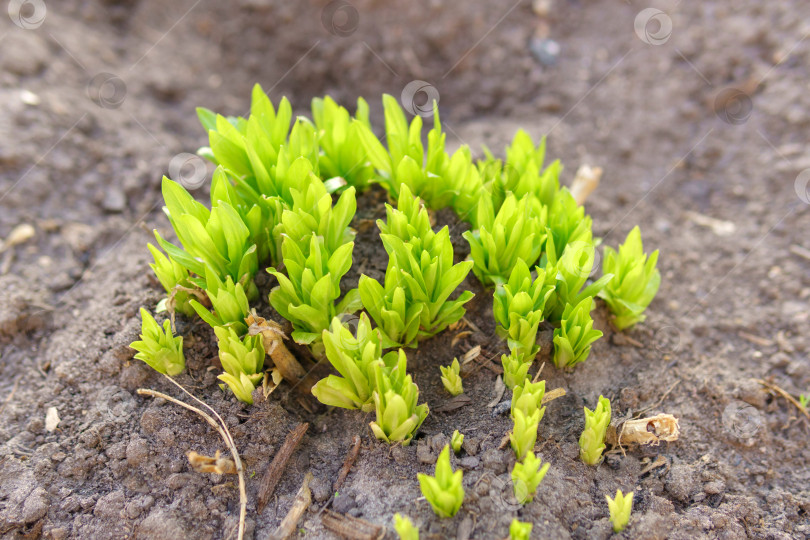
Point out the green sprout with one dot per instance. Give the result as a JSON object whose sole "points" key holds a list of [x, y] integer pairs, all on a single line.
{"points": [[571, 272], [567, 223], [421, 276], [405, 527], [518, 308], [343, 155], [242, 360], [306, 296], [456, 441], [353, 357], [518, 530], [574, 337], [159, 348], [175, 280], [451, 378], [515, 370], [229, 301], [527, 411], [635, 281], [405, 162], [215, 239], [395, 396], [803, 400], [620, 508], [526, 477], [516, 231], [592, 440], [443, 491], [465, 182]]}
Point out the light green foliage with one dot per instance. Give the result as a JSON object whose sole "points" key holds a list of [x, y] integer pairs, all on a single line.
{"points": [[451, 378], [159, 348], [353, 357], [306, 295], [519, 530], [228, 300], [570, 273], [518, 308], [405, 161], [526, 477], [515, 370], [520, 173], [405, 527], [804, 400], [443, 491], [456, 441], [342, 155], [395, 396], [527, 411], [573, 339], [567, 223], [529, 398], [175, 280], [465, 182], [516, 231], [242, 360], [419, 279], [620, 508], [635, 281], [592, 440], [217, 239]]}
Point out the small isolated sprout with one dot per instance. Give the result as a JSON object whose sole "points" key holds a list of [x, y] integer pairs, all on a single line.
{"points": [[520, 530], [456, 441], [804, 400], [526, 415], [592, 440], [526, 477], [635, 281], [159, 348], [451, 378], [405, 527], [443, 491], [620, 508], [395, 396]]}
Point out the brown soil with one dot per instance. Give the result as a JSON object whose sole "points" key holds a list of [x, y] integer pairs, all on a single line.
{"points": [[83, 168]]}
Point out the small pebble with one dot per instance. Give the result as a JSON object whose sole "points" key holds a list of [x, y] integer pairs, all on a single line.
{"points": [[545, 51]]}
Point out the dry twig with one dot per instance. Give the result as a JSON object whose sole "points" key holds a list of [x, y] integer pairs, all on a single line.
{"points": [[276, 468], [222, 429], [351, 527], [302, 501], [351, 457], [785, 395]]}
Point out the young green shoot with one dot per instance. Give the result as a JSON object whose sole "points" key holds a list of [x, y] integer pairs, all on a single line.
{"points": [[515, 370], [574, 337], [160, 349], [804, 400], [519, 530], [395, 396], [353, 357], [443, 491], [592, 440], [175, 280], [456, 441], [228, 300], [527, 411], [571, 272], [451, 378], [405, 527], [526, 477], [635, 281], [242, 360], [620, 508]]}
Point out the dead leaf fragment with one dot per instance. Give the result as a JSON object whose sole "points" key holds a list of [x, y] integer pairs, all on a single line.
{"points": [[18, 235], [585, 181], [213, 465], [51, 419], [645, 431]]}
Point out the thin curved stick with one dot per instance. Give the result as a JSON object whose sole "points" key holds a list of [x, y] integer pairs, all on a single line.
{"points": [[222, 429]]}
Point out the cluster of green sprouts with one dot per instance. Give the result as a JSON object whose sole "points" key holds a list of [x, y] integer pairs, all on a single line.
{"points": [[283, 196]]}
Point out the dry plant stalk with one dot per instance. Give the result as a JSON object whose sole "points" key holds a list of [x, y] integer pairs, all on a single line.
{"points": [[351, 527], [222, 428], [302, 501], [351, 457], [213, 465], [273, 340], [644, 431], [276, 468], [585, 181]]}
